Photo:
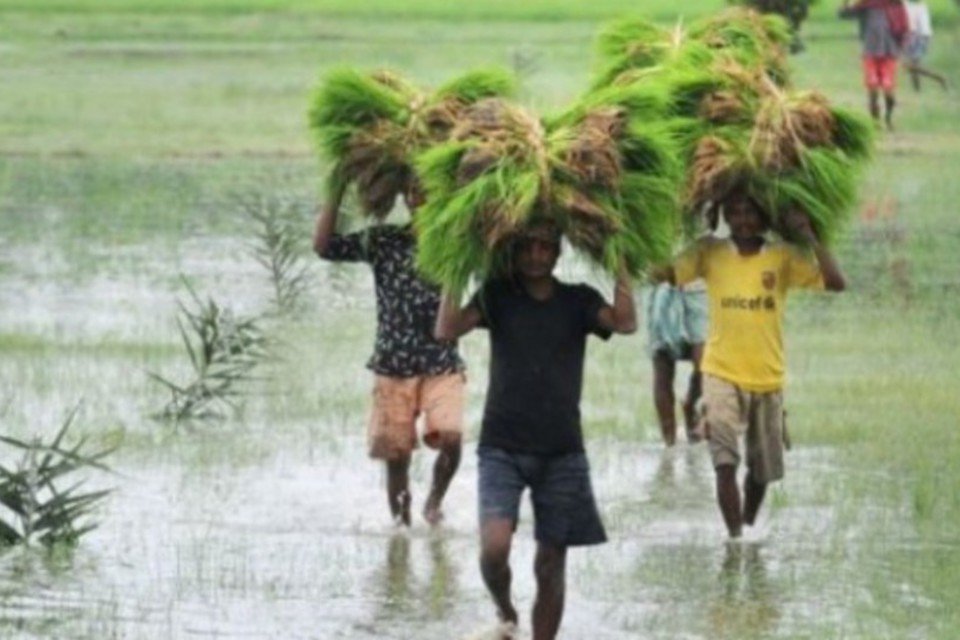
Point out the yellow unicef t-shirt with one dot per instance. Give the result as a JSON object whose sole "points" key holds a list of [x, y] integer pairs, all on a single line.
{"points": [[747, 296]]}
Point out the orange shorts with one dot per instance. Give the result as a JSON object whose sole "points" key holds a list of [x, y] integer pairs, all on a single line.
{"points": [[398, 402], [880, 73]]}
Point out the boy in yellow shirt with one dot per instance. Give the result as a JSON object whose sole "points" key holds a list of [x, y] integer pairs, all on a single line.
{"points": [[747, 278]]}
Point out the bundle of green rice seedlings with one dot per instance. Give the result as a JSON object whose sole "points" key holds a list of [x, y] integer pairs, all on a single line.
{"points": [[616, 183], [645, 100], [800, 152], [608, 182], [371, 125], [482, 185], [629, 49], [750, 37], [636, 51]]}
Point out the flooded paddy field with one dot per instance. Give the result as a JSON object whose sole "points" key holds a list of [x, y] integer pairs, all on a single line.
{"points": [[126, 146]]}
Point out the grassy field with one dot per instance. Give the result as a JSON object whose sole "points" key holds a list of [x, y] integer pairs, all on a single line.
{"points": [[127, 132]]}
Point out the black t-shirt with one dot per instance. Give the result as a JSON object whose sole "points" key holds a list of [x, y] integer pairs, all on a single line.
{"points": [[536, 365]]}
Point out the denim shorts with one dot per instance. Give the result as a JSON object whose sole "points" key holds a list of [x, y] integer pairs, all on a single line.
{"points": [[564, 510]]}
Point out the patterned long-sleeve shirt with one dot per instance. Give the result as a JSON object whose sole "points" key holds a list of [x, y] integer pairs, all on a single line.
{"points": [[406, 304]]}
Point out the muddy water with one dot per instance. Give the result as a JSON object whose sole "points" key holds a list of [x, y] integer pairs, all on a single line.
{"points": [[275, 526], [296, 549]]}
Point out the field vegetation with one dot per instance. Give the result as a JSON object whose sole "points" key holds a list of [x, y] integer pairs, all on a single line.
{"points": [[128, 130]]}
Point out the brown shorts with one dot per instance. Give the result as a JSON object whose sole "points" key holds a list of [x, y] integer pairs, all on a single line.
{"points": [[397, 402], [731, 412]]}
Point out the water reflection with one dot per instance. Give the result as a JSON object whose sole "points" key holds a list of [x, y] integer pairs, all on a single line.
{"points": [[36, 589], [397, 580], [745, 604], [443, 578], [682, 476], [402, 592]]}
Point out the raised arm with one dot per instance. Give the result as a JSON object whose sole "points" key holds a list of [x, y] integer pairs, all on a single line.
{"points": [[453, 320], [833, 279], [798, 224], [621, 317], [327, 218]]}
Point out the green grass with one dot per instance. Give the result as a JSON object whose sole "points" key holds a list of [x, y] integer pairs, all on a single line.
{"points": [[499, 10], [127, 128], [491, 10]]}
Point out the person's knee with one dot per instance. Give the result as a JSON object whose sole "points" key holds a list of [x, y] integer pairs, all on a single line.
{"points": [[449, 443], [398, 464], [549, 565], [495, 545], [494, 560], [726, 472], [663, 364], [753, 478]]}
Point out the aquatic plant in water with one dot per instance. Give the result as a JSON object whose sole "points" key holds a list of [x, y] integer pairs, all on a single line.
{"points": [[278, 245], [223, 349], [36, 506]]}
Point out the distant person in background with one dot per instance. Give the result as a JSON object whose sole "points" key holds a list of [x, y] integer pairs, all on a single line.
{"points": [[676, 330], [414, 373], [918, 43], [883, 29]]}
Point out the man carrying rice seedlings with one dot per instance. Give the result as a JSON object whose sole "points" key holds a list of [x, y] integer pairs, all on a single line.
{"points": [[531, 434], [413, 372], [748, 277], [676, 330], [881, 40], [370, 126]]}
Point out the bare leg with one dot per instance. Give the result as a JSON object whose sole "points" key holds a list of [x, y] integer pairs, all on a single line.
{"points": [[549, 567], [753, 498], [398, 489], [914, 77], [444, 468], [890, 101], [694, 391], [874, 103], [728, 497], [495, 538], [664, 368], [916, 71]]}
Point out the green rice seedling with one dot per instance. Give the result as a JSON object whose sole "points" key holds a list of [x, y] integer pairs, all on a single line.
{"points": [[371, 125], [42, 503], [632, 47], [605, 179], [709, 78], [278, 246], [223, 349], [751, 38], [794, 12], [792, 149]]}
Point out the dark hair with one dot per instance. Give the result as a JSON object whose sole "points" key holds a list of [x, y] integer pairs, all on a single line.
{"points": [[742, 191]]}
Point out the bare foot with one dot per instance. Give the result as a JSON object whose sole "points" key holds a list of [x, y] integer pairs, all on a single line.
{"points": [[401, 511], [507, 631], [432, 513], [508, 625]]}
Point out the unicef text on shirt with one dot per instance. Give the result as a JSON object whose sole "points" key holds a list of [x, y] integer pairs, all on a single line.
{"points": [[759, 303]]}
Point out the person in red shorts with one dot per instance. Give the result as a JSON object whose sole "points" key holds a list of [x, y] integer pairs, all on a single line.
{"points": [[414, 374], [881, 41]]}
